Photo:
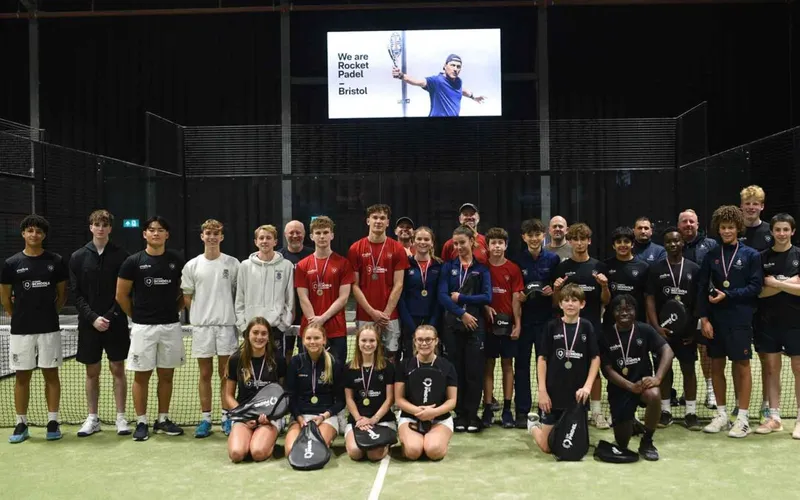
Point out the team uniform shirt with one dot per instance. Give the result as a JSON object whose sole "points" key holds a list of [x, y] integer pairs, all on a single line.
{"points": [[376, 390], [649, 253], [645, 341], [299, 376], [758, 237], [93, 283], [156, 286], [564, 252], [33, 283], [746, 278], [506, 281], [407, 367], [480, 252], [452, 272], [626, 277], [537, 309], [697, 249], [212, 285], [781, 311], [328, 275], [583, 274], [295, 258], [262, 374], [381, 259], [662, 288], [563, 383], [413, 306], [445, 95]]}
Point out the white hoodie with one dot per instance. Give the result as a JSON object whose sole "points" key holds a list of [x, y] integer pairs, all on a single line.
{"points": [[265, 289]]}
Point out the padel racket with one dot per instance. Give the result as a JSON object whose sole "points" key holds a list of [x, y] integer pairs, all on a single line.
{"points": [[426, 386], [270, 400], [673, 316], [376, 437], [395, 47]]}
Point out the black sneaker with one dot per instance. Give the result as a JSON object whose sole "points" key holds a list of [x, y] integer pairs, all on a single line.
{"points": [[521, 422], [691, 422], [647, 450], [507, 419], [474, 426], [167, 427], [460, 425], [488, 416], [53, 431], [666, 419], [141, 433]]}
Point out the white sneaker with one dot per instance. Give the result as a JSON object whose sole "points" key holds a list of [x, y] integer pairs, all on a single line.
{"points": [[122, 427], [600, 421], [796, 433], [741, 429], [89, 427], [719, 423], [534, 421]]}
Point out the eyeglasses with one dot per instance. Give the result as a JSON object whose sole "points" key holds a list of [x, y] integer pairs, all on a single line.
{"points": [[425, 341]]}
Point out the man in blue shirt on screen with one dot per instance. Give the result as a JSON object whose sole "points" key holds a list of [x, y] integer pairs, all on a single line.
{"points": [[445, 89]]}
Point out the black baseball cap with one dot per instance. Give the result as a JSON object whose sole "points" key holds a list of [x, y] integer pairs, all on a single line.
{"points": [[468, 205], [404, 219]]}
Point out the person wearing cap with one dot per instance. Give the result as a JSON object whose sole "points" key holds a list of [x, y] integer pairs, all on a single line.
{"points": [[404, 230], [445, 89], [469, 216]]}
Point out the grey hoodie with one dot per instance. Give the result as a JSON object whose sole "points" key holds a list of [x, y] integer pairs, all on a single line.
{"points": [[265, 289]]}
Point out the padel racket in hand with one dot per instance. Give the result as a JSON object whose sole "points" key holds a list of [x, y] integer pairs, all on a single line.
{"points": [[309, 451], [395, 48], [376, 437], [673, 316], [426, 386], [270, 400]]}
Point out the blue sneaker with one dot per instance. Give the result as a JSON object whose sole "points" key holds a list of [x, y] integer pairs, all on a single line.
{"points": [[203, 429], [53, 431], [226, 426], [20, 434], [507, 419]]}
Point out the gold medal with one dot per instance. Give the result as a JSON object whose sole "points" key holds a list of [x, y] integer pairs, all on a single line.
{"points": [[314, 400], [625, 371], [726, 284], [319, 292], [366, 401], [678, 298], [424, 293], [568, 365]]}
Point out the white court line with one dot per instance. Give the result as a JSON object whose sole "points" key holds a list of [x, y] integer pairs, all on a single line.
{"points": [[375, 493]]}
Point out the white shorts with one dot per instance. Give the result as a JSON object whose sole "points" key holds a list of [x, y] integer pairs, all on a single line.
{"points": [[448, 422], [390, 336], [210, 341], [391, 425], [278, 424], [333, 421], [156, 346], [35, 349]]}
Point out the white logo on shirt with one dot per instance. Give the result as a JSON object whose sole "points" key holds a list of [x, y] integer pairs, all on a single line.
{"points": [[51, 267], [28, 284], [171, 265], [156, 281], [22, 270], [635, 273], [144, 266]]}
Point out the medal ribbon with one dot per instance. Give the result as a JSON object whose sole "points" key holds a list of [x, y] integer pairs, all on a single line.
{"points": [[313, 377], [423, 272], [570, 347], [324, 268], [630, 339], [462, 279], [366, 386], [727, 268], [372, 256], [252, 369]]}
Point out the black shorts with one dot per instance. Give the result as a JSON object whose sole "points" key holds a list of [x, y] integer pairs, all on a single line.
{"points": [[732, 342], [91, 343], [684, 353], [623, 406], [776, 340], [497, 346], [553, 417]]}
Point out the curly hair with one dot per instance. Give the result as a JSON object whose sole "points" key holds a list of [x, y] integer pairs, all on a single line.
{"points": [[727, 214]]}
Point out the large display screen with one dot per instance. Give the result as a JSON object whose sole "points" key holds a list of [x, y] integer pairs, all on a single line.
{"points": [[439, 73]]}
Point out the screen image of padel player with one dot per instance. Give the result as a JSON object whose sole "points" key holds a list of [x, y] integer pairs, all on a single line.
{"points": [[672, 293], [419, 302], [626, 274], [102, 325], [379, 263], [625, 352], [149, 292], [469, 216], [445, 89], [568, 361], [368, 392], [643, 248], [590, 274], [731, 278], [295, 234], [538, 266], [253, 366], [426, 390], [209, 286], [316, 382], [503, 325], [464, 288], [37, 281], [779, 310]]}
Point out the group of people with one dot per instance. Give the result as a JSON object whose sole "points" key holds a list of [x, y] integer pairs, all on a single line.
{"points": [[456, 314]]}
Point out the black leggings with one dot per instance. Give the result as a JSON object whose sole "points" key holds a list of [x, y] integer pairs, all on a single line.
{"points": [[465, 351]]}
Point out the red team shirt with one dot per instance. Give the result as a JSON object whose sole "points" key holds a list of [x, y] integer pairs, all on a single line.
{"points": [[506, 280], [338, 273], [362, 255], [481, 253]]}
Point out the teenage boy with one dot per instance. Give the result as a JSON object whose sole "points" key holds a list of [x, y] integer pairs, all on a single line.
{"points": [[379, 264], [37, 280], [590, 274], [501, 339], [209, 286], [626, 274], [567, 364], [731, 278]]}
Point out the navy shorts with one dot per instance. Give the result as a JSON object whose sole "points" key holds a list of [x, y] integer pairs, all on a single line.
{"points": [[623, 406], [497, 346], [776, 340], [732, 342], [553, 417]]}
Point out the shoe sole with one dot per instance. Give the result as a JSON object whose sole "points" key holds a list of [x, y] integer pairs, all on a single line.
{"points": [[649, 459], [54, 438], [169, 433], [202, 436], [12, 441], [473, 431], [140, 439], [124, 433]]}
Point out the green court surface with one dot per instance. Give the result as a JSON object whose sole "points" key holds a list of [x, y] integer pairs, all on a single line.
{"points": [[498, 463]]}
